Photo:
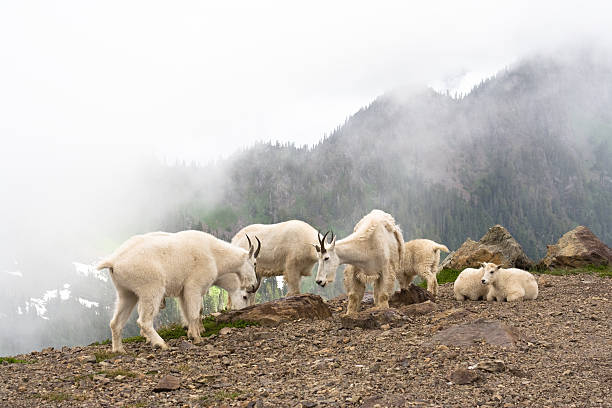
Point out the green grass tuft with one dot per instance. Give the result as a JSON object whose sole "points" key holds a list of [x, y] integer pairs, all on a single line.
{"points": [[176, 331], [114, 373], [604, 271], [446, 275], [13, 360], [104, 355]]}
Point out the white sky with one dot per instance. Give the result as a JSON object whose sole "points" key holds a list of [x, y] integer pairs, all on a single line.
{"points": [[197, 80]]}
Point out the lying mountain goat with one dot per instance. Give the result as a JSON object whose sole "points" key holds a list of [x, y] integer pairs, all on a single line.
{"points": [[289, 251], [373, 252], [148, 267], [421, 257], [510, 284], [469, 285]]}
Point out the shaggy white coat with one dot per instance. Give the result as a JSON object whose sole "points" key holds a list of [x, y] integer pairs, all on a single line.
{"points": [[148, 267], [289, 251], [422, 258], [373, 253], [509, 284], [469, 285]]}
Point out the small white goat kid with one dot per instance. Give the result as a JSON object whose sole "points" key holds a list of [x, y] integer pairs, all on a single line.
{"points": [[421, 257], [373, 252], [185, 264], [469, 285], [510, 284], [289, 251]]}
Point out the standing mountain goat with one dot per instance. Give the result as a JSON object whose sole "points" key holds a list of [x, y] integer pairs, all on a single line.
{"points": [[374, 252], [469, 285], [421, 257], [511, 284], [145, 268], [289, 251]]}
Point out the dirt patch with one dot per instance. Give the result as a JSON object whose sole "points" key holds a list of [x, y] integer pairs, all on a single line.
{"points": [[564, 359]]}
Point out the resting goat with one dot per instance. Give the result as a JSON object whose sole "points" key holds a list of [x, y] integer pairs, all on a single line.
{"points": [[510, 284], [288, 252], [373, 252], [185, 264]]}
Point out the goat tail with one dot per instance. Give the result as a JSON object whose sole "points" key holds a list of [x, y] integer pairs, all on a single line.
{"points": [[440, 247], [105, 264], [399, 238]]}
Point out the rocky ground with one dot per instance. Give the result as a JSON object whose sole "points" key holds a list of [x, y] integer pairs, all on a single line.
{"points": [[559, 355]]}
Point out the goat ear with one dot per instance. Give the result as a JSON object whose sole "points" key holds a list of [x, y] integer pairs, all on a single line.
{"points": [[483, 264], [499, 266]]}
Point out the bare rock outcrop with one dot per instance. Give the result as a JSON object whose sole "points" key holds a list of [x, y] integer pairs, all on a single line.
{"points": [[491, 331], [496, 246], [304, 306], [576, 248]]}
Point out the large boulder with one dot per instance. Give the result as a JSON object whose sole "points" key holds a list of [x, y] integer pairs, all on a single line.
{"points": [[305, 306], [576, 248], [496, 246]]}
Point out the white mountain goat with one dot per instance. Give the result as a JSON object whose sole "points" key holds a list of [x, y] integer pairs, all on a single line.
{"points": [[374, 252], [237, 296], [146, 268], [510, 284], [421, 257], [469, 285], [289, 251]]}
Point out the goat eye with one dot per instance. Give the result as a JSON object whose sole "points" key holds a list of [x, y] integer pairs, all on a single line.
{"points": [[244, 297], [326, 258]]}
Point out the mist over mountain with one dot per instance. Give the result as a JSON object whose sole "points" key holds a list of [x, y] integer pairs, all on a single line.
{"points": [[530, 148]]}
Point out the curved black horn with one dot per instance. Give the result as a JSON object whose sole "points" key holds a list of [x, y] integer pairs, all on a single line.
{"points": [[323, 242], [258, 247], [332, 237], [249, 239]]}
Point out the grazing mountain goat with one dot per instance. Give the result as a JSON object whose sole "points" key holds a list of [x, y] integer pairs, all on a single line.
{"points": [[374, 252], [469, 285], [421, 257], [289, 251], [185, 264], [237, 296], [510, 284]]}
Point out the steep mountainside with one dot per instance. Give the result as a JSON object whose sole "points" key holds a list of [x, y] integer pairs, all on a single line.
{"points": [[529, 149]]}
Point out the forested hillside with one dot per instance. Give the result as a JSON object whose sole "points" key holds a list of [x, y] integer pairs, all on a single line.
{"points": [[530, 149]]}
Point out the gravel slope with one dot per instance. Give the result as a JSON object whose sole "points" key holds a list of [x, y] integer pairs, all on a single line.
{"points": [[563, 358]]}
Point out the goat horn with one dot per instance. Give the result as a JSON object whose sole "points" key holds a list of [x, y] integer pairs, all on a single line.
{"points": [[258, 247], [249, 239], [323, 242]]}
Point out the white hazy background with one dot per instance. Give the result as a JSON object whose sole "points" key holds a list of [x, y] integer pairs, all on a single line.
{"points": [[94, 94]]}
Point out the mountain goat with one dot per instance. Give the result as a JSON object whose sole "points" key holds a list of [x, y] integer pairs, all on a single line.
{"points": [[469, 285], [289, 251], [511, 284], [237, 296], [373, 252], [185, 264], [421, 257]]}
